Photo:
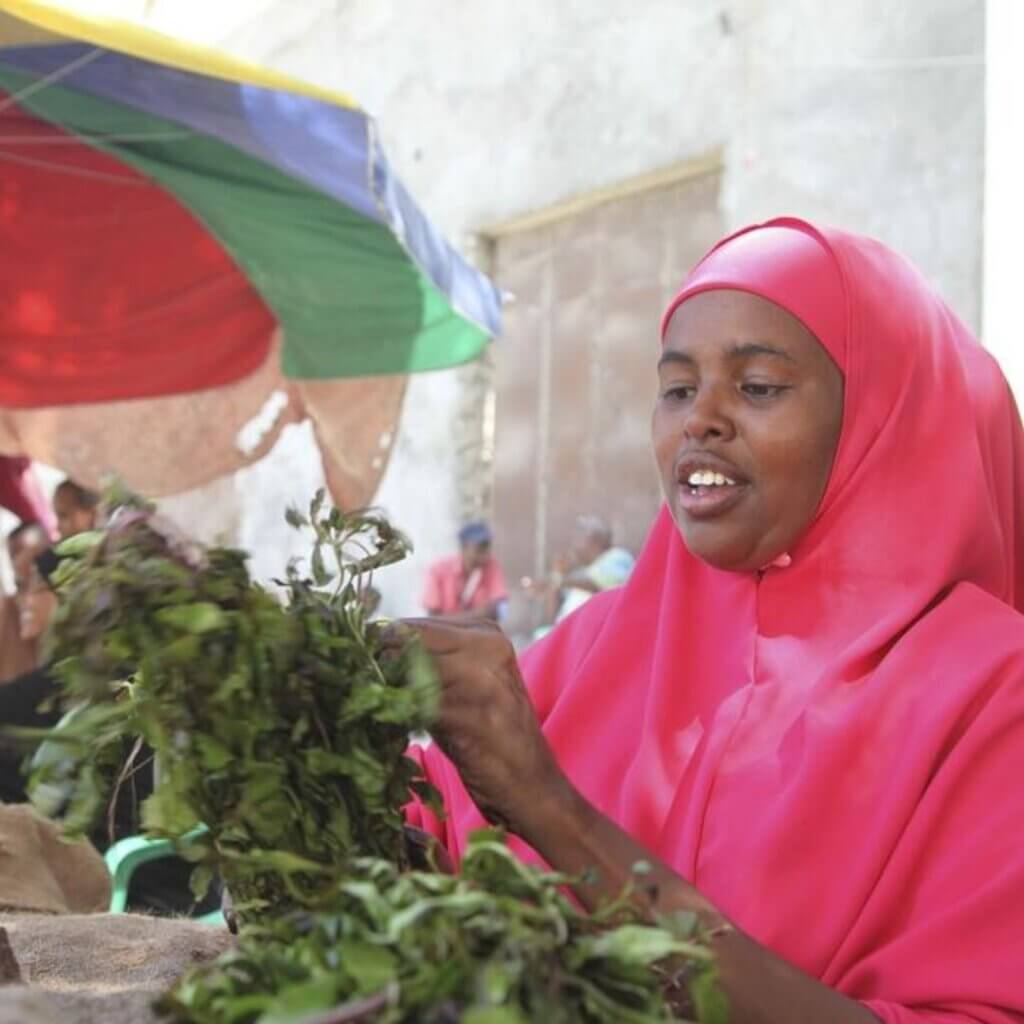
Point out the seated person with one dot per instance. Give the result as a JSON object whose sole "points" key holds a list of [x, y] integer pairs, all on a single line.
{"points": [[594, 564], [470, 583]]}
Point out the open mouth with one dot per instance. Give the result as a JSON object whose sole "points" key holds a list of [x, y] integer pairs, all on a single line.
{"points": [[704, 493]]}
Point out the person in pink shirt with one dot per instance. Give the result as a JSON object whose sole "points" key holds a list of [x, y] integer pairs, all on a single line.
{"points": [[470, 583]]}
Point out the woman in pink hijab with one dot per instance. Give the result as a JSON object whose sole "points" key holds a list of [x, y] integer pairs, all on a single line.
{"points": [[806, 707]]}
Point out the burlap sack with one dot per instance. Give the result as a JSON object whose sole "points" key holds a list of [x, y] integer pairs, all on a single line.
{"points": [[22, 1005], [40, 871], [100, 968]]}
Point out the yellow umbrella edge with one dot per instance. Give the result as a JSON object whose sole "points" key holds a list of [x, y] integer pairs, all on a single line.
{"points": [[145, 43]]}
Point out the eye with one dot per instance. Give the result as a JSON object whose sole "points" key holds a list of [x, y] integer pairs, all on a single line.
{"points": [[762, 392], [678, 392]]}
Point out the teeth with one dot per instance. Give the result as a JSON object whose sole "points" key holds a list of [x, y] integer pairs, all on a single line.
{"points": [[708, 478]]}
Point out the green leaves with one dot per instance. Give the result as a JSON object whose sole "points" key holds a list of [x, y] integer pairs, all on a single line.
{"points": [[293, 517], [500, 944], [635, 944], [281, 735], [321, 576], [708, 999], [199, 617], [370, 967], [169, 812], [80, 544], [494, 1015], [275, 722]]}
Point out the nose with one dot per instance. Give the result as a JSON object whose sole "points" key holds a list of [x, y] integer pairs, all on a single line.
{"points": [[708, 416]]}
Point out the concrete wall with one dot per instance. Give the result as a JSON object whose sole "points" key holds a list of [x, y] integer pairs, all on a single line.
{"points": [[1004, 196], [865, 113]]}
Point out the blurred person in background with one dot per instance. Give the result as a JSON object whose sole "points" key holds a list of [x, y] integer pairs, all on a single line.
{"points": [[76, 508], [593, 564], [19, 654], [470, 583], [22, 494], [24, 700]]}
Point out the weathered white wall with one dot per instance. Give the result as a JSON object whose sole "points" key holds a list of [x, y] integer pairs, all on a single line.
{"points": [[864, 113], [869, 114], [1002, 327]]}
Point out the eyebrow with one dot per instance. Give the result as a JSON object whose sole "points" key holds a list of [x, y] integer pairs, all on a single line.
{"points": [[740, 351]]}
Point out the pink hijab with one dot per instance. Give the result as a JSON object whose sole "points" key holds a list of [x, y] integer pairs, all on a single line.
{"points": [[832, 750]]}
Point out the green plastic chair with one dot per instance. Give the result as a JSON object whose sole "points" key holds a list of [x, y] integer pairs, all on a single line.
{"points": [[125, 856], [129, 854]]}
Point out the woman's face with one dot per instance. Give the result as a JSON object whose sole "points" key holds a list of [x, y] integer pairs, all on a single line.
{"points": [[745, 428], [35, 601]]}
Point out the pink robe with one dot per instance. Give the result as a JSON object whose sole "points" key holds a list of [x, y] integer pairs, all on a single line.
{"points": [[831, 750]]}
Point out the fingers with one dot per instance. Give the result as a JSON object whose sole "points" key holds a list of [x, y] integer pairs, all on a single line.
{"points": [[436, 642], [442, 636], [474, 660]]}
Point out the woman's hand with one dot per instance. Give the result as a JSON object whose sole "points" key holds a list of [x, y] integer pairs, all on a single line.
{"points": [[488, 728], [487, 725]]}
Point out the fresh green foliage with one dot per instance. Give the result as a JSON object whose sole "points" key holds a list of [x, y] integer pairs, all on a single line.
{"points": [[281, 729], [498, 944], [278, 725]]}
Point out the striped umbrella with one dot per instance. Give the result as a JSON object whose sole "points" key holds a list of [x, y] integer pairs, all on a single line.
{"points": [[177, 224]]}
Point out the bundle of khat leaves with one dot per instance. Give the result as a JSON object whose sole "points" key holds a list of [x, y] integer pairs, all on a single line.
{"points": [[279, 732], [498, 944]]}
